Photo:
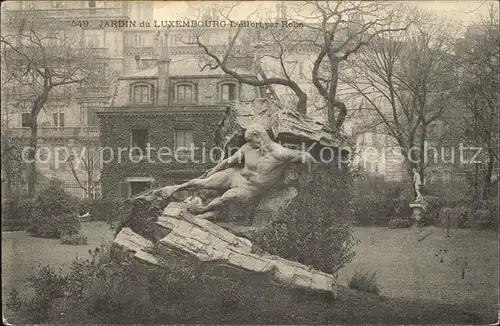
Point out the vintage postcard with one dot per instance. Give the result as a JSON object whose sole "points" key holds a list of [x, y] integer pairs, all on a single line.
{"points": [[252, 162]]}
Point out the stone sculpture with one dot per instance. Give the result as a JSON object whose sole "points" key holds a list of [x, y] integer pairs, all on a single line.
{"points": [[264, 165], [417, 183], [261, 172], [419, 205]]}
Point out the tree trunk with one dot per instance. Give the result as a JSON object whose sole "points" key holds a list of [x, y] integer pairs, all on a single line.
{"points": [[8, 181], [302, 104], [421, 164], [488, 174], [32, 173]]}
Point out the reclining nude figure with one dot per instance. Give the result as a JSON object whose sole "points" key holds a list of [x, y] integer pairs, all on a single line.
{"points": [[264, 164]]}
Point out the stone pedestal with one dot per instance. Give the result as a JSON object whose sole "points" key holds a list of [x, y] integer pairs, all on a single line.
{"points": [[417, 215], [197, 239]]}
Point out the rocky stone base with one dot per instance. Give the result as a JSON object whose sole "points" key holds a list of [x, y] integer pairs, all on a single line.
{"points": [[186, 235]]}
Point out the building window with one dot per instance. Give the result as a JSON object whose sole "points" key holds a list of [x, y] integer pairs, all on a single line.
{"points": [[91, 3], [183, 142], [185, 93], [140, 138], [134, 186], [137, 40], [59, 4], [141, 94], [92, 38], [374, 136], [88, 114], [58, 119], [434, 130], [302, 75], [25, 120], [228, 92], [139, 186], [366, 138]]}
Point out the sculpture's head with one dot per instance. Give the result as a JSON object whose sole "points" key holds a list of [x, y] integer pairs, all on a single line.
{"points": [[256, 135], [414, 170]]}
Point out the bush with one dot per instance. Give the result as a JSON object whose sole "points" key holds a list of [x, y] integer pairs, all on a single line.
{"points": [[99, 291], [318, 228], [377, 208], [57, 296], [14, 225], [107, 210], [363, 280], [493, 206], [54, 211], [9, 208], [141, 216], [16, 213], [454, 217], [74, 239], [47, 284]]}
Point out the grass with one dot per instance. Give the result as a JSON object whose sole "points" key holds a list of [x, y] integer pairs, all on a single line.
{"points": [[461, 270], [21, 254], [364, 280], [416, 287]]}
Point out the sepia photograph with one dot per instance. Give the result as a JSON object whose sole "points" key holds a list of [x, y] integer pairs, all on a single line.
{"points": [[250, 162]]}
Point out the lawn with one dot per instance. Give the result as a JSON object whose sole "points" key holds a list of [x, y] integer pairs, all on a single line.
{"points": [[417, 276], [21, 254], [462, 269]]}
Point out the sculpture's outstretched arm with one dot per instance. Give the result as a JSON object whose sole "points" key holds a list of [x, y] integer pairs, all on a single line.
{"points": [[236, 158]]}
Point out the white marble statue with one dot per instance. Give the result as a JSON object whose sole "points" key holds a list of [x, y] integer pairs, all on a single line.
{"points": [[417, 183]]}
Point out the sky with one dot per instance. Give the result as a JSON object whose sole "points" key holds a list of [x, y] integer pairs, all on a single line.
{"points": [[464, 11]]}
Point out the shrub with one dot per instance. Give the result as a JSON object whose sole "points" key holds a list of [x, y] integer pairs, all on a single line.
{"points": [[16, 213], [108, 210], [74, 239], [318, 228], [140, 215], [493, 206], [9, 208], [48, 286], [58, 297], [54, 210], [454, 217], [99, 291], [363, 280], [480, 219], [376, 205]]}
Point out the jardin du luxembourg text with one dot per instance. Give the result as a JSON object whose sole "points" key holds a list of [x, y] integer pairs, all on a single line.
{"points": [[184, 24]]}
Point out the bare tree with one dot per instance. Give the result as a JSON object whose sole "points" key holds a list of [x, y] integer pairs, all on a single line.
{"points": [[406, 79], [479, 93], [40, 57], [89, 162], [328, 32], [13, 165]]}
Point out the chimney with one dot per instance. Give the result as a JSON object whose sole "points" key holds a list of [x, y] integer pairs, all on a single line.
{"points": [[283, 10], [163, 71]]}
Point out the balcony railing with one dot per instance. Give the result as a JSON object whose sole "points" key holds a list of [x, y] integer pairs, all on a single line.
{"points": [[95, 52], [57, 132]]}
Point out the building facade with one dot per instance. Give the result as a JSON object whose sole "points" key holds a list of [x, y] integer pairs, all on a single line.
{"points": [[68, 118], [160, 126]]}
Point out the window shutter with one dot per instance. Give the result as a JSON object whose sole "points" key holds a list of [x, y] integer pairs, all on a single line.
{"points": [[123, 190]]}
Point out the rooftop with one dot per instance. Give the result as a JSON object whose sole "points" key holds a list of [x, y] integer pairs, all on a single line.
{"points": [[187, 66]]}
